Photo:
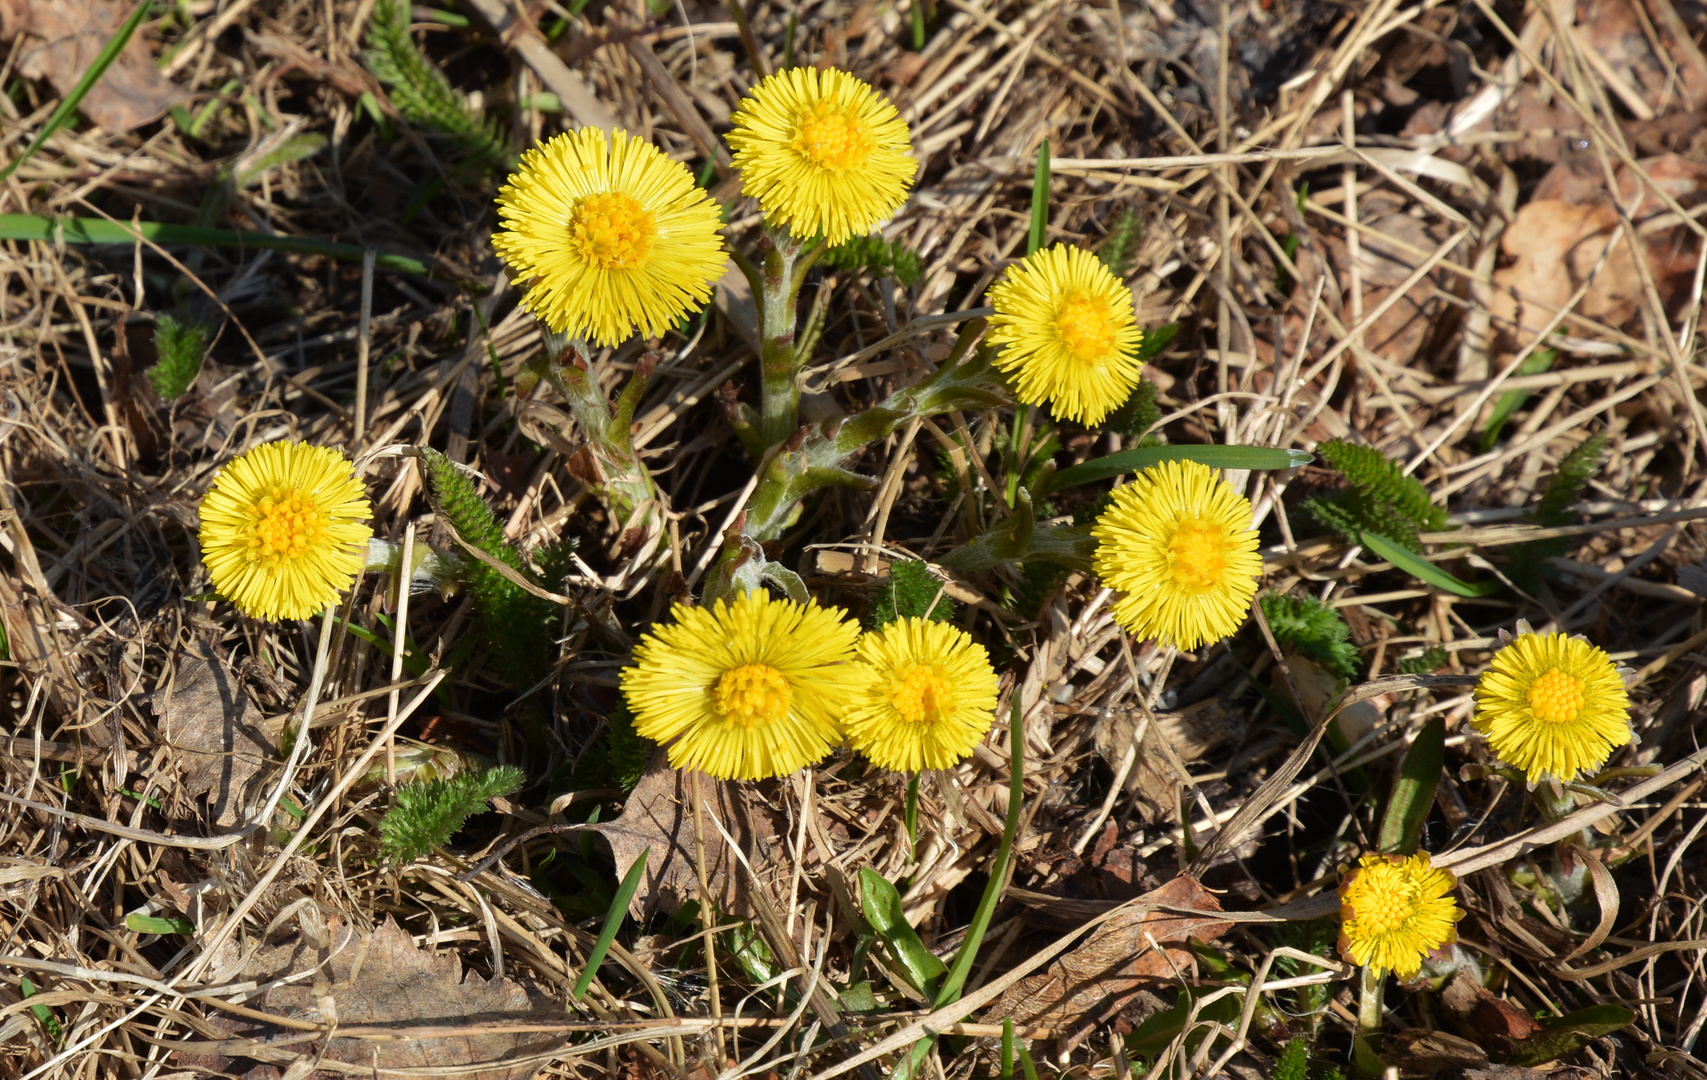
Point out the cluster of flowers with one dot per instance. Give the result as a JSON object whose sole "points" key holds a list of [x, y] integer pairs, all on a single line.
{"points": [[1551, 706], [614, 237]]}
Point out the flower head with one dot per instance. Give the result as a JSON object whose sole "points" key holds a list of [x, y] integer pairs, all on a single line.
{"points": [[1178, 545], [928, 696], [747, 690], [1395, 910], [822, 152], [613, 234], [284, 530], [1553, 706], [1068, 334]]}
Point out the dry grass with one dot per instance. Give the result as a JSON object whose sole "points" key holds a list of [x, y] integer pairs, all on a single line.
{"points": [[1378, 307]]}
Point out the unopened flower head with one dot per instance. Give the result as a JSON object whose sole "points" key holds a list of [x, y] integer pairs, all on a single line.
{"points": [[745, 690], [1067, 333], [928, 696], [1394, 911], [1177, 544], [284, 530], [822, 152], [1553, 706], [612, 235]]}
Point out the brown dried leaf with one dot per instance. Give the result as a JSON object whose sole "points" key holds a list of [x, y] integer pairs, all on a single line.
{"points": [[658, 819], [1419, 1052], [222, 741], [1194, 732], [66, 37], [379, 979], [1092, 981]]}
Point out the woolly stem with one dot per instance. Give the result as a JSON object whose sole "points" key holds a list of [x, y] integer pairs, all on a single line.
{"points": [[608, 464], [1364, 1061]]}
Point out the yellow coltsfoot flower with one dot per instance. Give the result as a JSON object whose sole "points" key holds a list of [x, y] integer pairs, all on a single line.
{"points": [[284, 530], [1067, 333], [745, 690], [1394, 911], [928, 697], [1553, 706], [613, 235], [1178, 546], [822, 152]]}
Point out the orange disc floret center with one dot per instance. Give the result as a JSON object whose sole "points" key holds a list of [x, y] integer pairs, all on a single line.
{"points": [[922, 694], [1380, 903], [1198, 553], [288, 523], [752, 695], [1556, 697], [834, 137], [612, 230], [1085, 327]]}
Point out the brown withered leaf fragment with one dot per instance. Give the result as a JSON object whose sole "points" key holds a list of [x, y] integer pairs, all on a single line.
{"points": [[221, 740], [383, 980], [658, 819], [65, 36], [1093, 980], [1419, 1052]]}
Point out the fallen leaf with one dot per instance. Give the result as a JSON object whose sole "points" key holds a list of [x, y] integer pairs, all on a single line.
{"points": [[658, 819], [222, 741], [1613, 31], [69, 35], [1419, 1052], [381, 979], [1093, 980], [1194, 732]]}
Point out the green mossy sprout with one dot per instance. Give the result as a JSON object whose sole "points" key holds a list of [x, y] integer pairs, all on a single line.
{"points": [[877, 255], [515, 623], [426, 815], [1575, 469], [628, 750], [910, 593], [1309, 627], [421, 92], [1427, 662], [1119, 249], [1382, 499], [1294, 1062], [179, 349]]}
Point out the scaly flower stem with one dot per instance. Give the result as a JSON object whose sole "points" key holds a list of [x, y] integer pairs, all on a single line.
{"points": [[1364, 1061], [786, 261], [608, 463], [815, 458]]}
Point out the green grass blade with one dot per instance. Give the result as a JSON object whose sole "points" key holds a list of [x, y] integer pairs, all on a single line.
{"points": [[1216, 457], [1039, 202], [1007, 1048], [103, 60], [613, 921], [75, 230], [1413, 790], [1423, 570], [908, 1066], [1512, 400]]}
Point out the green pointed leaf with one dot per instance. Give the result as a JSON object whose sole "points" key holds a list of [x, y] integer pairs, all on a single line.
{"points": [[613, 922], [81, 230], [1423, 570], [1216, 457], [150, 924], [1512, 400], [882, 906], [1039, 202], [1571, 1032], [1154, 341], [1413, 790]]}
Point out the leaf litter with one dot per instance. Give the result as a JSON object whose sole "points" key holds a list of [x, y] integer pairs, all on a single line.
{"points": [[1539, 155]]}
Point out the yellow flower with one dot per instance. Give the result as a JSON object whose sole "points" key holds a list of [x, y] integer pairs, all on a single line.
{"points": [[747, 690], [1067, 333], [284, 530], [1553, 706], [1395, 910], [1178, 545], [928, 697], [613, 234], [822, 152]]}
